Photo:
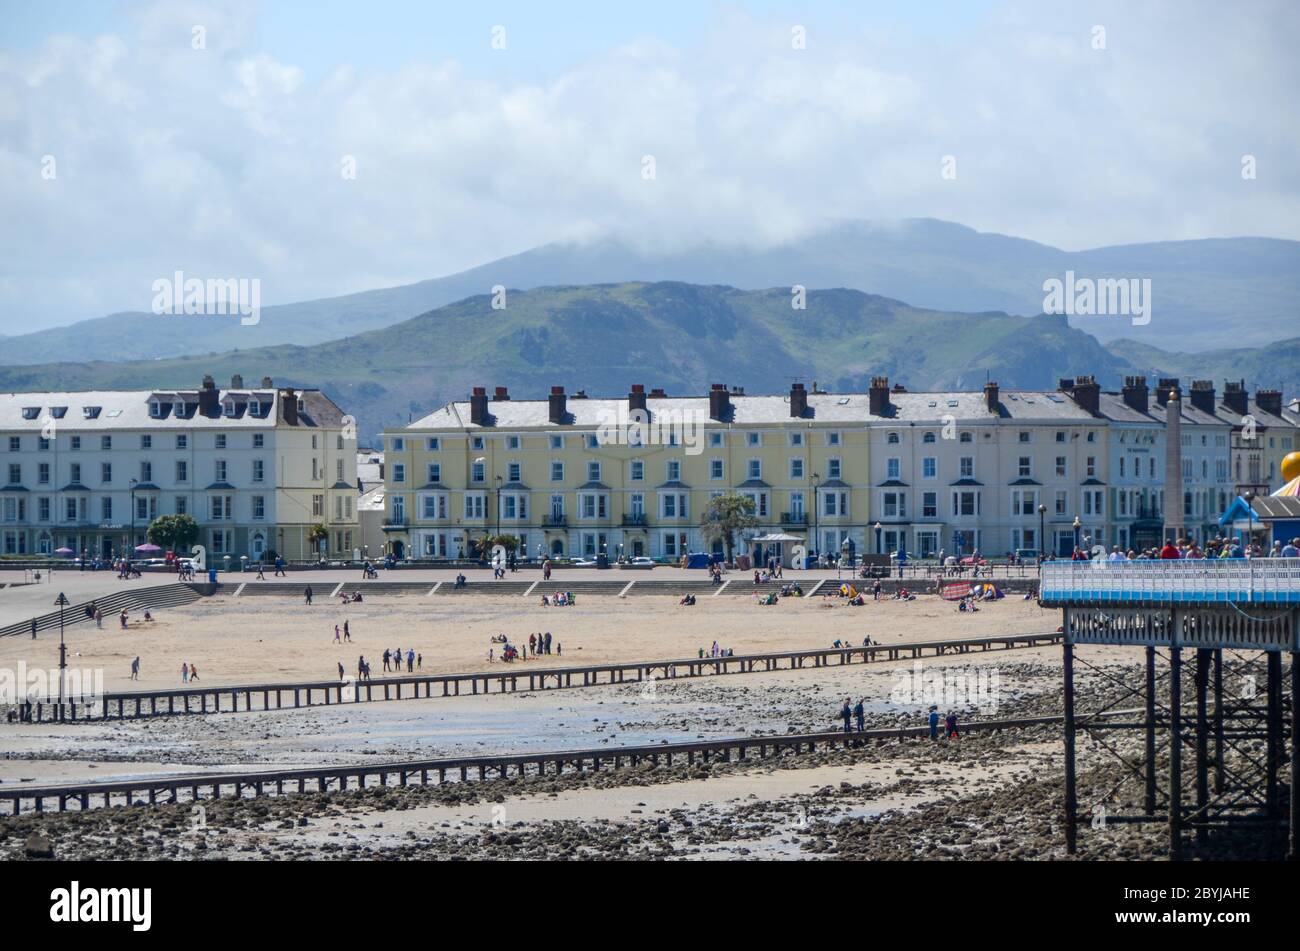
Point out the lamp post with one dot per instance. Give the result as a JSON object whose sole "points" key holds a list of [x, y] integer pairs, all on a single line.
{"points": [[62, 602], [1077, 525], [878, 528], [130, 545], [1250, 537], [1042, 521], [817, 481]]}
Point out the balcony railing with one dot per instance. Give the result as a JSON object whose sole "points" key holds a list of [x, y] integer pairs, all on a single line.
{"points": [[555, 521], [635, 519], [794, 518], [1201, 580]]}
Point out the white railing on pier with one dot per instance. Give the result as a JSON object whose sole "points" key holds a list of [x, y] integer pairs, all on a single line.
{"points": [[1257, 580]]}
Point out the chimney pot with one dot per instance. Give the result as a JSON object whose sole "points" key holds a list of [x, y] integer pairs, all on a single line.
{"points": [[501, 393]]}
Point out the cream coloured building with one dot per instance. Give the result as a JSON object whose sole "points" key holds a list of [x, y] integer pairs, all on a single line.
{"points": [[257, 467]]}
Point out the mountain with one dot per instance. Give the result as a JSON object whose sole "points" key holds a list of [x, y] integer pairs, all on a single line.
{"points": [[1276, 366], [1214, 293], [601, 338]]}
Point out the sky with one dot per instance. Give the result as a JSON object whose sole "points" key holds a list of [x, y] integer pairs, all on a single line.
{"points": [[331, 147]]}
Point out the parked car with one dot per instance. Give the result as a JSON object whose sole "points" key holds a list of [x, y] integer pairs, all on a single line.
{"points": [[583, 562], [643, 560]]}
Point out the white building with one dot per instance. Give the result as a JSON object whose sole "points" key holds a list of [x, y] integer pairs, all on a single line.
{"points": [[258, 468]]}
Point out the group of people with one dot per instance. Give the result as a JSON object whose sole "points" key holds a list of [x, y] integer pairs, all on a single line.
{"points": [[1186, 548], [539, 643], [949, 724], [559, 600], [345, 631], [393, 660], [189, 672]]}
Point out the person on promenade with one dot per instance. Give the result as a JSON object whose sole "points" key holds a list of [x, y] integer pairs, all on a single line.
{"points": [[279, 568], [260, 576], [1170, 552], [1291, 549], [846, 714], [934, 723], [860, 714]]}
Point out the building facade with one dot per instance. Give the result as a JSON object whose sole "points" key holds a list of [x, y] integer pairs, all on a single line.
{"points": [[881, 471], [259, 469]]}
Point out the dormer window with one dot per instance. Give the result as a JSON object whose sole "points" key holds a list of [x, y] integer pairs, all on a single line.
{"points": [[178, 409], [228, 408], [90, 412], [58, 412], [156, 409], [31, 412]]}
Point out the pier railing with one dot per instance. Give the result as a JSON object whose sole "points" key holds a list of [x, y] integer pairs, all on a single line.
{"points": [[1185, 581]]}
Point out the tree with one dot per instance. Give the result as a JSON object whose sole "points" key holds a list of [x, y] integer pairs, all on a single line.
{"points": [[317, 534], [724, 516], [174, 532]]}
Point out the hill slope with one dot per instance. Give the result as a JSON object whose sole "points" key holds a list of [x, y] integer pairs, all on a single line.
{"points": [[603, 338], [1211, 293]]}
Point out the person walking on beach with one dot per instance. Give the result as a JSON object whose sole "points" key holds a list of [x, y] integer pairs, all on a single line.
{"points": [[307, 594], [846, 714], [185, 672], [135, 669], [387, 655], [361, 667], [340, 671], [194, 672], [860, 714], [410, 661], [336, 635], [950, 723], [419, 661], [934, 723], [347, 634], [99, 618]]}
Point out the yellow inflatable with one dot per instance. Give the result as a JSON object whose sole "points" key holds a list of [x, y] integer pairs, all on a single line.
{"points": [[1291, 466]]}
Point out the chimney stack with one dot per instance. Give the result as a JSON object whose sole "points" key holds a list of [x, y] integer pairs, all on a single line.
{"points": [[1270, 401], [991, 396], [266, 382], [208, 397], [878, 395], [501, 394], [1136, 395], [798, 400], [1065, 384], [1234, 397], [658, 394], [289, 406], [478, 406], [558, 405], [719, 402], [237, 382], [636, 399], [1203, 395], [1087, 394]]}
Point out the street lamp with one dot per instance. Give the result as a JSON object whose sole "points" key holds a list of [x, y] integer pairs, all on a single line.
{"points": [[62, 602], [878, 528], [1077, 524], [130, 547], [817, 481], [1042, 513], [1250, 537]]}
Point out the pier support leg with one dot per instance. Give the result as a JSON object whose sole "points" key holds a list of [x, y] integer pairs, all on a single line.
{"points": [[1071, 790], [1175, 753], [1218, 721], [1151, 732], [1294, 853], [1202, 741]]}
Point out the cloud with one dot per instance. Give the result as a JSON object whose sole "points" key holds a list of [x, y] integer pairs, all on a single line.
{"points": [[227, 161]]}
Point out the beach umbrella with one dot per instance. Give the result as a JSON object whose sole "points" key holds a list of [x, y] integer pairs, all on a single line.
{"points": [[147, 546]]}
